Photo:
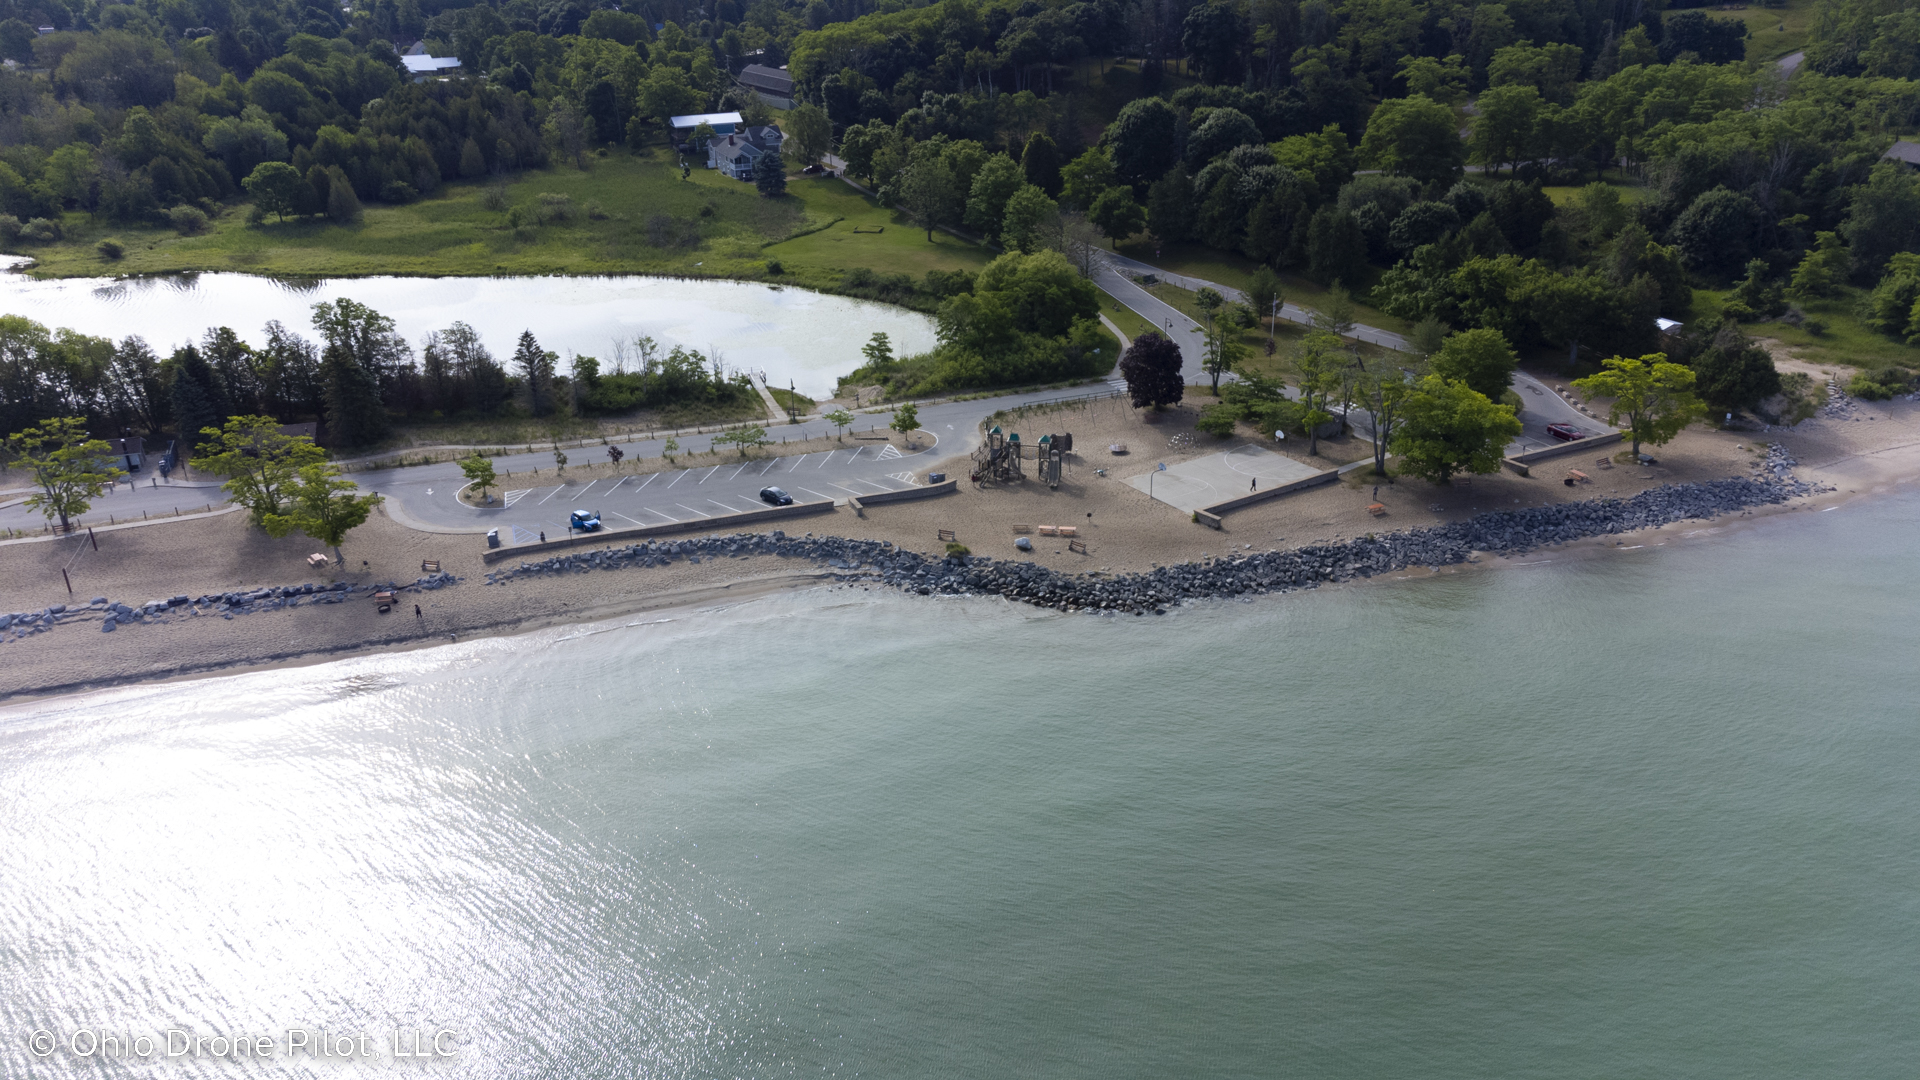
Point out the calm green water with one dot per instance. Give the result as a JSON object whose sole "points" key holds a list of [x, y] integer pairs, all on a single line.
{"points": [[1646, 815]]}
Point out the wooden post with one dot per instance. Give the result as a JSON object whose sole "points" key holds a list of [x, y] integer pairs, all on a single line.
{"points": [[68, 580], [95, 539]]}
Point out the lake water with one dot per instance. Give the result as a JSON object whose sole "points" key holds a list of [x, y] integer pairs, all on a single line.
{"points": [[1648, 814], [792, 335]]}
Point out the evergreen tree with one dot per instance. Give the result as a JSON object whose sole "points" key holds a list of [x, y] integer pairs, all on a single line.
{"points": [[472, 164], [770, 176], [355, 416], [1170, 206], [199, 398], [1041, 164], [343, 206], [536, 367]]}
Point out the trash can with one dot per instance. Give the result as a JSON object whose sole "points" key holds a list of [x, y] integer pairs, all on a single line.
{"points": [[936, 478], [493, 538]]}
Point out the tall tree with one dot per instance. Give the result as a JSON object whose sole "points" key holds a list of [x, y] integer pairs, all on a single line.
{"points": [[806, 125], [1029, 215], [929, 193], [69, 468], [1040, 163], [1414, 136], [258, 460], [324, 507], [355, 415], [199, 399], [536, 368], [1452, 428], [1652, 394], [1480, 358], [1151, 367], [1116, 214], [770, 175]]}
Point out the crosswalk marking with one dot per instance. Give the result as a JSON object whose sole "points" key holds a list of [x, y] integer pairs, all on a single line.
{"points": [[511, 497], [889, 452], [903, 477]]}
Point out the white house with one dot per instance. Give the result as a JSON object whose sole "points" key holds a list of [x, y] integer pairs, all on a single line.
{"points": [[735, 154]]}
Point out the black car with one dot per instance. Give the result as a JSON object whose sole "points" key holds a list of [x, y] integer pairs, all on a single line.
{"points": [[776, 496]]}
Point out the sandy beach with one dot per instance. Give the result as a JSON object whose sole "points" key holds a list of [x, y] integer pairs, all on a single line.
{"points": [[1858, 451]]}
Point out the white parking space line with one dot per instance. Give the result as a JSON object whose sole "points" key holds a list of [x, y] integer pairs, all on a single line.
{"points": [[771, 462], [844, 487], [796, 462], [650, 479], [682, 476], [810, 491], [583, 491], [550, 495], [617, 483], [624, 517], [691, 510], [737, 472], [651, 510], [709, 475], [723, 506]]}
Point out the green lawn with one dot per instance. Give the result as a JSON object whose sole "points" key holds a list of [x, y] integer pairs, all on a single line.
{"points": [[735, 232], [896, 247], [1776, 31], [1846, 340]]}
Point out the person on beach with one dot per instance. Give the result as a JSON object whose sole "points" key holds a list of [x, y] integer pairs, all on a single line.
{"points": [[416, 611], [1255, 486]]}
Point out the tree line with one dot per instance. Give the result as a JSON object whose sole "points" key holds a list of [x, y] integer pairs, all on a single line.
{"points": [[356, 379]]}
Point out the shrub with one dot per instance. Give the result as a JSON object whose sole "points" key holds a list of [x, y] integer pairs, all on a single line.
{"points": [[954, 548], [774, 267], [1218, 420], [1816, 327], [398, 191], [40, 231], [187, 220], [1865, 386], [110, 248], [494, 198], [552, 208], [256, 214], [596, 212]]}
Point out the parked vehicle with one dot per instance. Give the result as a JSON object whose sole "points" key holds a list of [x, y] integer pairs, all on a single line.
{"points": [[775, 496], [586, 520], [1565, 432]]}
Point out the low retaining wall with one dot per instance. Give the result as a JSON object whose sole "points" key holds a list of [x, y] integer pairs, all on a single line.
{"points": [[1211, 515], [1520, 462], [946, 487], [607, 536]]}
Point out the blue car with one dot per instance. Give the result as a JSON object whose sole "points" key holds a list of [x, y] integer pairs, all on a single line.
{"points": [[586, 520]]}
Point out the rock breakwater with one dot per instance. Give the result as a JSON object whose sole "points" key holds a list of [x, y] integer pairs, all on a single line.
{"points": [[1499, 532]]}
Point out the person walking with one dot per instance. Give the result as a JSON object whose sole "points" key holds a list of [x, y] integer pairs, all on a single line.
{"points": [[1255, 486], [416, 611]]}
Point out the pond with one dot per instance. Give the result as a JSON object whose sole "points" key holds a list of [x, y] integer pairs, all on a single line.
{"points": [[792, 335]]}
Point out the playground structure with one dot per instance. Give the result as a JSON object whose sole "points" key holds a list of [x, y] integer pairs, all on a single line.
{"points": [[1050, 455], [1002, 457], [999, 458]]}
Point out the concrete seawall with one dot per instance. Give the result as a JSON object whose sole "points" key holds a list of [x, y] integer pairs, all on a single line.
{"points": [[946, 487], [608, 536], [1520, 463]]}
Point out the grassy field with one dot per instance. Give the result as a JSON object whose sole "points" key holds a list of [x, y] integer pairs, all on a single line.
{"points": [[1776, 31], [887, 242], [715, 227], [1846, 340]]}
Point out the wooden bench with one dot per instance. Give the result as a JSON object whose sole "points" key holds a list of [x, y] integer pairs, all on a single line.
{"points": [[949, 536], [1117, 448], [1059, 530], [1378, 509], [1078, 547], [429, 566]]}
